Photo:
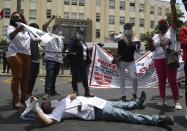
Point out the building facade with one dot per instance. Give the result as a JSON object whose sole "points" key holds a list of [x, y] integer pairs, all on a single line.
{"points": [[105, 15]]}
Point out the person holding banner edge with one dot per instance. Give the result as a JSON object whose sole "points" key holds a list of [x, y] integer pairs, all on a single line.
{"points": [[53, 60], [166, 40], [19, 58]]}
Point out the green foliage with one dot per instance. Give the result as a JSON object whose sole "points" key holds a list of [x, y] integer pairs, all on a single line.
{"points": [[3, 46], [146, 36]]}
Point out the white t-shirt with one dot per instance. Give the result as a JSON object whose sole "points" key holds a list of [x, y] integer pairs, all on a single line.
{"points": [[159, 52], [68, 109], [20, 44], [53, 47]]}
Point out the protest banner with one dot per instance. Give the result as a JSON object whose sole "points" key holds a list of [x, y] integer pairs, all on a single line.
{"points": [[104, 74], [44, 36]]}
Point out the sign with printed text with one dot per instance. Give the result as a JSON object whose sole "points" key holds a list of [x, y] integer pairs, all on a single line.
{"points": [[104, 74]]}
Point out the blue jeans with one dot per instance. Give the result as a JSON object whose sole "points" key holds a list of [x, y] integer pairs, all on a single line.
{"points": [[52, 70], [33, 75], [118, 111]]}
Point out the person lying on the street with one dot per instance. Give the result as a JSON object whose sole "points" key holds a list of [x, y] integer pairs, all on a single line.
{"points": [[95, 108]]}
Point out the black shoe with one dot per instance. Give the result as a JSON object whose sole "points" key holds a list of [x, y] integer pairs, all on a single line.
{"points": [[54, 93], [165, 120], [124, 99], [88, 95], [141, 100]]}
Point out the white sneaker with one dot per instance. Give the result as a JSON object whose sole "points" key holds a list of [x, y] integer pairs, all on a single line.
{"points": [[178, 106], [161, 103]]}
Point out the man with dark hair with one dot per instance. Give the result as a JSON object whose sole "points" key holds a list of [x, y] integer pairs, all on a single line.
{"points": [[96, 109]]}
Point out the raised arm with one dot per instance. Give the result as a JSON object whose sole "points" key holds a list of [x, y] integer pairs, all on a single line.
{"points": [[42, 116], [45, 25], [173, 14]]}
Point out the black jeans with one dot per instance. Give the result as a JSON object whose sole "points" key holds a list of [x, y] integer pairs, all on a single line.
{"points": [[32, 76], [80, 73], [185, 72]]}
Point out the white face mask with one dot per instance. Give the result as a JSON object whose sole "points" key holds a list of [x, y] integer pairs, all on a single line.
{"points": [[54, 103], [128, 32], [79, 36]]}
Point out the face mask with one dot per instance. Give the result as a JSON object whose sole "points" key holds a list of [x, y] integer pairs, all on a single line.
{"points": [[54, 103], [79, 36], [128, 32], [163, 27], [14, 20]]}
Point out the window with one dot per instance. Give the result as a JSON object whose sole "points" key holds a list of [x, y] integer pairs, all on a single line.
{"points": [[66, 15], [98, 2], [97, 17], [32, 14], [73, 2], [142, 22], [122, 20], [142, 8], [111, 4], [122, 5], [152, 10], [7, 12], [111, 19], [48, 13], [66, 2], [132, 20], [152, 24], [5, 30], [74, 15], [49, 0], [159, 11], [32, 1], [97, 34], [81, 16], [132, 7], [81, 2], [166, 11]]}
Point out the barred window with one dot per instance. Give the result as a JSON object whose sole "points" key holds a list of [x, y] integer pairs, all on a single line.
{"points": [[111, 19], [66, 2], [81, 2], [122, 5], [122, 20], [48, 13], [7, 12], [32, 14], [97, 34], [142, 22], [97, 17], [73, 2], [111, 4]]}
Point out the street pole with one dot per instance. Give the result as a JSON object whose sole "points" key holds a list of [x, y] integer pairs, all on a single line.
{"points": [[18, 5]]}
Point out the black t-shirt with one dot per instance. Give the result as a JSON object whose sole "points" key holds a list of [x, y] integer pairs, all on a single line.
{"points": [[126, 51]]}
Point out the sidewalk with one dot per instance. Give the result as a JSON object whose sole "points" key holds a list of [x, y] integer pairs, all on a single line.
{"points": [[41, 74]]}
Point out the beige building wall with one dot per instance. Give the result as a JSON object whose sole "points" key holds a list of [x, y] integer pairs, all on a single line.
{"points": [[90, 9]]}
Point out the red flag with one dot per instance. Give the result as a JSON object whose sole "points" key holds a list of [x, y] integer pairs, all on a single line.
{"points": [[2, 14]]}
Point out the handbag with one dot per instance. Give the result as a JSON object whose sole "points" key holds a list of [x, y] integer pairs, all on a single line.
{"points": [[172, 59]]}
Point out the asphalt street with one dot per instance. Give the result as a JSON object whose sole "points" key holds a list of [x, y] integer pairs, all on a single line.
{"points": [[9, 118]]}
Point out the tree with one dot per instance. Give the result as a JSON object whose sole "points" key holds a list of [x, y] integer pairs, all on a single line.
{"points": [[146, 36]]}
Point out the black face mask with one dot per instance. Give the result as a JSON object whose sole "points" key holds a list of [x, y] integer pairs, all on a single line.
{"points": [[13, 21], [163, 27]]}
